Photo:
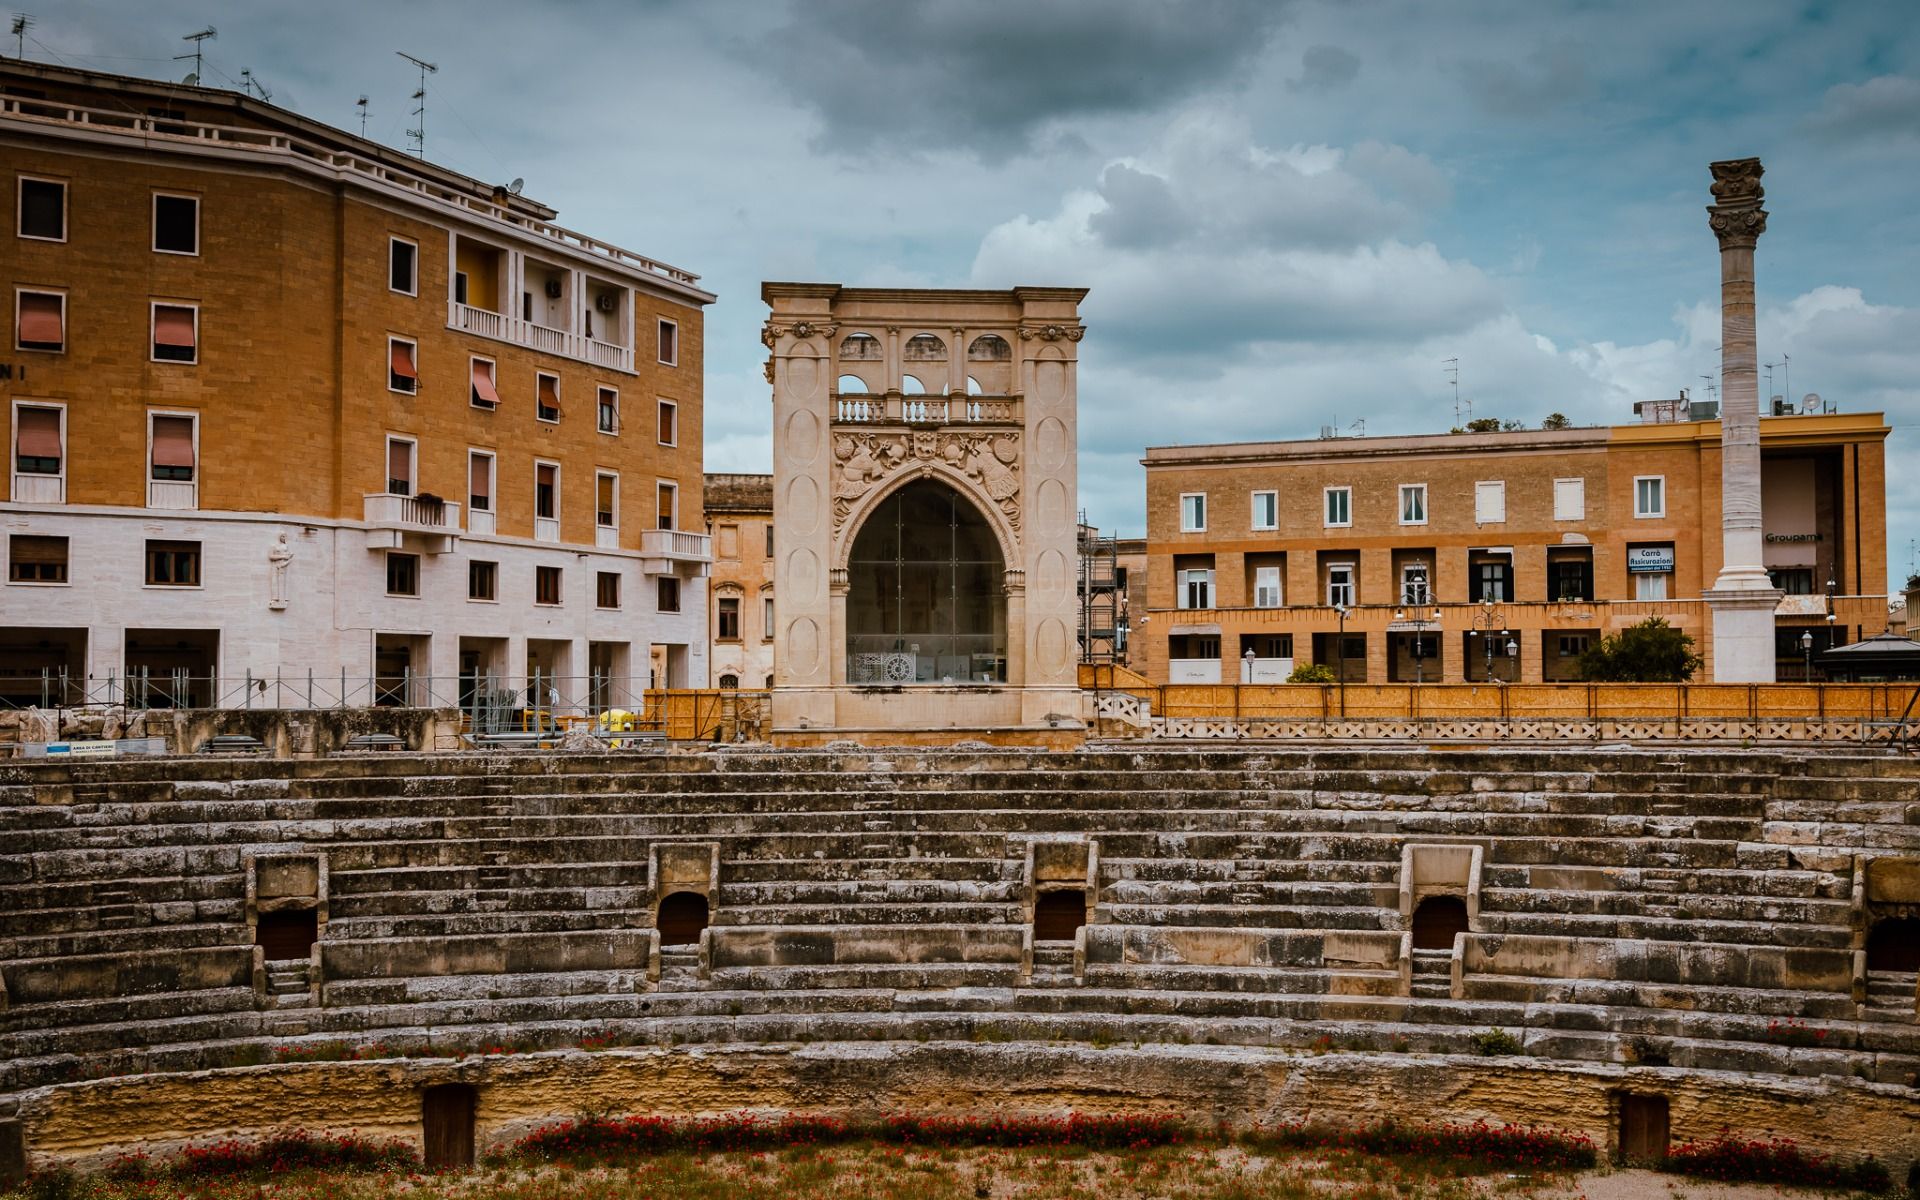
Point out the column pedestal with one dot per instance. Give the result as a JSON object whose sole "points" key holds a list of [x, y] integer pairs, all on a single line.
{"points": [[1742, 634]]}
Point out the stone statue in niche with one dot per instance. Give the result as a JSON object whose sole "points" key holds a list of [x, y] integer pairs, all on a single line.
{"points": [[279, 558]]}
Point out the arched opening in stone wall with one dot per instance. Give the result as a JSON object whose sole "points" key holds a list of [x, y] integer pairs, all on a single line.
{"points": [[682, 916], [1893, 944], [1436, 920], [926, 592], [446, 1120], [1058, 914], [287, 934]]}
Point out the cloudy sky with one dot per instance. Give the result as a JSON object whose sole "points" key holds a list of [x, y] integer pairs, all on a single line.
{"points": [[1290, 212]]}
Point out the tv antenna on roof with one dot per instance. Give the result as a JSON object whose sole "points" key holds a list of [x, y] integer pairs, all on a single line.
{"points": [[209, 33], [1713, 389], [21, 23], [419, 134], [251, 84], [361, 104]]}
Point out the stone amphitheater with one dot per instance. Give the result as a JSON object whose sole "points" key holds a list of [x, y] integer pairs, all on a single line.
{"points": [[1640, 945]]}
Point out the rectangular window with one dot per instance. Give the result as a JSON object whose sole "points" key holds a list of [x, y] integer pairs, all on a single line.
{"points": [[403, 574], [38, 448], [1493, 580], [1196, 588], [606, 589], [606, 493], [667, 599], [547, 387], [1266, 587], [176, 333], [459, 287], [1413, 504], [479, 481], [1572, 645], [1193, 512], [1651, 585], [35, 559], [1415, 584], [1650, 495], [546, 490], [402, 374], [400, 466], [546, 585], [483, 391], [40, 321], [727, 619], [608, 410], [769, 541], [669, 345], [483, 580], [667, 505], [727, 542], [1340, 585], [172, 456], [403, 266], [766, 618], [1490, 501], [1339, 506], [173, 564], [176, 224], [1569, 499], [1266, 510], [1570, 579], [1794, 581], [669, 433], [43, 209]]}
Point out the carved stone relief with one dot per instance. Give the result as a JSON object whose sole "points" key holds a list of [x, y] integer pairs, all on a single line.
{"points": [[864, 460]]}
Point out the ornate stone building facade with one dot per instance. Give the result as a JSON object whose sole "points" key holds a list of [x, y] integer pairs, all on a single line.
{"points": [[740, 521], [924, 486]]}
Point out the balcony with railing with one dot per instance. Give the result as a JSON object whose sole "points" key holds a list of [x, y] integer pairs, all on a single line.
{"points": [[422, 522], [675, 552], [503, 328], [894, 408]]}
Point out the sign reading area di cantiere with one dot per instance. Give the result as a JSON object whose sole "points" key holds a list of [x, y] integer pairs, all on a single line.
{"points": [[1645, 560]]}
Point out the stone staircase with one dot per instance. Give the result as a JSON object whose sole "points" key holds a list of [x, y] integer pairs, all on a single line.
{"points": [[1687, 895]]}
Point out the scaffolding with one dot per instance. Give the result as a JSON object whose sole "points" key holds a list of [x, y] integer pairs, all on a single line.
{"points": [[1102, 605]]}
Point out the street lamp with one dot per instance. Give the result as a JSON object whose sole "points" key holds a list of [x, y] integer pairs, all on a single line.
{"points": [[1246, 666], [1806, 652], [1484, 624], [1513, 656], [1420, 625]]}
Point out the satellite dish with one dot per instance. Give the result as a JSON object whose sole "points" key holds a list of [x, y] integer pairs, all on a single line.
{"points": [[514, 187], [192, 79], [1811, 402]]}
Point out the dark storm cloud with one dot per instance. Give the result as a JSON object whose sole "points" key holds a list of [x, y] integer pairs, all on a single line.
{"points": [[1887, 107], [904, 78], [1141, 210], [1324, 68]]}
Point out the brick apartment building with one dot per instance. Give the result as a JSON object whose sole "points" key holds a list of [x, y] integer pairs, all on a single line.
{"points": [[1459, 557], [740, 521], [279, 399]]}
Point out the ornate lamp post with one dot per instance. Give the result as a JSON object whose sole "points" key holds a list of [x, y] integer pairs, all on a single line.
{"points": [[1246, 666], [1420, 627], [1806, 652], [1484, 624], [1340, 656]]}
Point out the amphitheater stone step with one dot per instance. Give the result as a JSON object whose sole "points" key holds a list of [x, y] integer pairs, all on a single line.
{"points": [[1433, 974], [1052, 965], [289, 983], [679, 969]]}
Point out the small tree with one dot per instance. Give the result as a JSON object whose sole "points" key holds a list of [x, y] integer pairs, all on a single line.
{"points": [[1311, 673], [1650, 652], [1484, 425], [1556, 421]]}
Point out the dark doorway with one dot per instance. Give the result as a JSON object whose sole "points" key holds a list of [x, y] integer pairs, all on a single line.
{"points": [[285, 935], [682, 916], [1437, 920], [1059, 914], [1894, 945], [446, 1118], [1643, 1128]]}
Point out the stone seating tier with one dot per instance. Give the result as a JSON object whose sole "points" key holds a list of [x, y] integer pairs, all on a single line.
{"points": [[1624, 903]]}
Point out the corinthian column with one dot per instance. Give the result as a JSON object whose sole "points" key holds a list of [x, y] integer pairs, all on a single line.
{"points": [[1742, 597]]}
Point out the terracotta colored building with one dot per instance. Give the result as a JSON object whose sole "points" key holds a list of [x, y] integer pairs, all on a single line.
{"points": [[740, 521], [1458, 557], [281, 399]]}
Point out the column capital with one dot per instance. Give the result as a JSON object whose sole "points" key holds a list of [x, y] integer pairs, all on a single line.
{"points": [[1736, 216]]}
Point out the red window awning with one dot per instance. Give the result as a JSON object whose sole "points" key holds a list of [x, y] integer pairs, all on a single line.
{"points": [[483, 387], [401, 359], [550, 392], [38, 433], [173, 327], [400, 464], [42, 322], [173, 441], [479, 478]]}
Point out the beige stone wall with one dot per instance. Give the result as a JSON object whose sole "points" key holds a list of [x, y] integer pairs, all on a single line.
{"points": [[742, 571], [89, 1123]]}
